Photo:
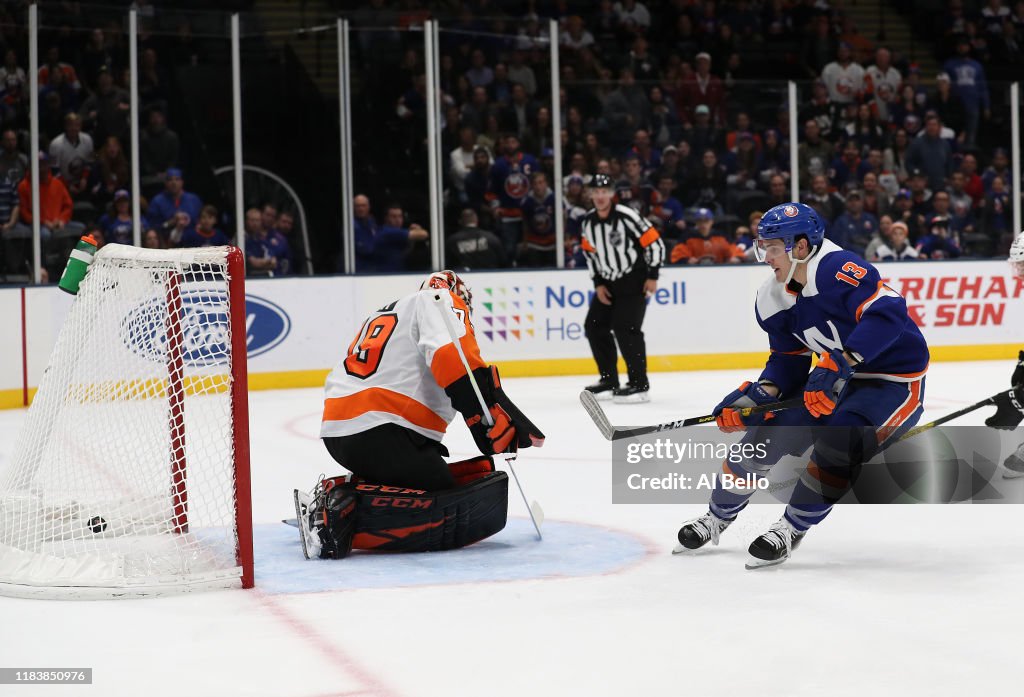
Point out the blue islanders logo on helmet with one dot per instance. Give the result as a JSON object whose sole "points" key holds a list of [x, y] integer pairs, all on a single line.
{"points": [[787, 222]]}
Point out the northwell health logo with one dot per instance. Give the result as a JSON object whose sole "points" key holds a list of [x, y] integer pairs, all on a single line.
{"points": [[507, 313], [503, 314]]}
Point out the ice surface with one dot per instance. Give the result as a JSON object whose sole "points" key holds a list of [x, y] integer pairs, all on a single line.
{"points": [[922, 600]]}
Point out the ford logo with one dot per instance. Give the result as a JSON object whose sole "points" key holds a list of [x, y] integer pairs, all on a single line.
{"points": [[266, 325], [204, 328]]}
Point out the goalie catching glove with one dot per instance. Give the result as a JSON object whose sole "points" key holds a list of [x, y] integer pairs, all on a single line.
{"points": [[749, 394], [511, 428]]}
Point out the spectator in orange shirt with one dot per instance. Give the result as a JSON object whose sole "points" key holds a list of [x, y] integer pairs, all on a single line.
{"points": [[705, 248], [53, 64], [55, 206]]}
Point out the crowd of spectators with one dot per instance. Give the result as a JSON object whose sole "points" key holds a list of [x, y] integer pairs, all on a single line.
{"points": [[659, 96], [84, 156], [681, 102]]}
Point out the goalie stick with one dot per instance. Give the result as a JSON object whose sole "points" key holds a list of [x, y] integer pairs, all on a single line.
{"points": [[610, 432], [442, 301]]}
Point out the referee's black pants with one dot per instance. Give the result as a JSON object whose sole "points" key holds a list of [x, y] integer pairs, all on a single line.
{"points": [[623, 318]]}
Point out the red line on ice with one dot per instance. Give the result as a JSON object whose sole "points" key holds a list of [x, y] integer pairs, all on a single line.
{"points": [[327, 648]]}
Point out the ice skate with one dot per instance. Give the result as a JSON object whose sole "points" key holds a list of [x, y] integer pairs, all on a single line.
{"points": [[603, 389], [631, 394], [699, 531], [308, 534], [774, 546], [1013, 466]]}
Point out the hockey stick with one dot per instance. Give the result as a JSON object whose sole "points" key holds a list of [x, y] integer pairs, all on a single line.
{"points": [[949, 417], [610, 432], [442, 301], [916, 431]]}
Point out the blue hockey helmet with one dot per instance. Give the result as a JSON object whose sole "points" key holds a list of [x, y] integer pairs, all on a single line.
{"points": [[786, 222]]}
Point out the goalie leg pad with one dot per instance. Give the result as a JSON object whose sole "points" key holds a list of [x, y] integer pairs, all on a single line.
{"points": [[338, 526], [394, 519], [467, 471]]}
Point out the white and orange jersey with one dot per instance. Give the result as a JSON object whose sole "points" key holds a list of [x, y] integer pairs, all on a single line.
{"points": [[397, 368]]}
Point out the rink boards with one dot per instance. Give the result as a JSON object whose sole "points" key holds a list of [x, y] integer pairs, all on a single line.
{"points": [[531, 322]]}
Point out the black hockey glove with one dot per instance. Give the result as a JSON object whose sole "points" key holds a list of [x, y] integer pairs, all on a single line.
{"points": [[527, 433], [1009, 410], [511, 429]]}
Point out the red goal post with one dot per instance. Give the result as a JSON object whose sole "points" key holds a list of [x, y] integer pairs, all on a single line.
{"points": [[131, 472]]}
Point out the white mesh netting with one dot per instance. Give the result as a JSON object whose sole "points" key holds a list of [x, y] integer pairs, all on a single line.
{"points": [[123, 477]]}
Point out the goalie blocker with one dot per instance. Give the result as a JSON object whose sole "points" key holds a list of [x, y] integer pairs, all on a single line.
{"points": [[345, 513]]}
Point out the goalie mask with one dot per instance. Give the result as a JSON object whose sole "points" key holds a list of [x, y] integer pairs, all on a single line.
{"points": [[450, 280], [1017, 256]]}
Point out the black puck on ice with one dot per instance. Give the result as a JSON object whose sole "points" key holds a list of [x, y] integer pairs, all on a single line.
{"points": [[97, 524]]}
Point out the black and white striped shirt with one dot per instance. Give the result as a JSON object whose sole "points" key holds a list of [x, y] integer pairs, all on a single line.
{"points": [[613, 245]]}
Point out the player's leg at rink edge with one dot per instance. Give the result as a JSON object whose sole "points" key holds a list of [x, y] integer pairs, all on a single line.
{"points": [[842, 443], [875, 413], [850, 438], [788, 433]]}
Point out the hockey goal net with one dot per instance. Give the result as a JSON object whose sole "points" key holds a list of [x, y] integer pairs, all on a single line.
{"points": [[130, 476]]}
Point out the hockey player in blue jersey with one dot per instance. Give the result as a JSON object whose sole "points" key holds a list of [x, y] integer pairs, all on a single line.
{"points": [[866, 390]]}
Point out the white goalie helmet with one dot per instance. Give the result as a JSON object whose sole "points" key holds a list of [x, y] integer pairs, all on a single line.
{"points": [[451, 281], [1017, 255]]}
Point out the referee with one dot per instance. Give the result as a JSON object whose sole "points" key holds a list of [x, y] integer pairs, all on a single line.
{"points": [[623, 253]]}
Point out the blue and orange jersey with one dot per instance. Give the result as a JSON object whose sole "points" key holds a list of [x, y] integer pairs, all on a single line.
{"points": [[510, 183], [539, 219], [844, 305]]}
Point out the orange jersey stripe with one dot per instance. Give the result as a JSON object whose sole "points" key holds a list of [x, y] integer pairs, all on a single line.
{"points": [[446, 365], [382, 400], [863, 305], [860, 308], [896, 420], [587, 247], [649, 237]]}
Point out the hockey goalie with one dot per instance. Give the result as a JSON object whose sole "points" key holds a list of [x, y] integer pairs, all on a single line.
{"points": [[387, 406]]}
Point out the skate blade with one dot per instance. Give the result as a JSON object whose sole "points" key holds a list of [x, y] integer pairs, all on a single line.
{"points": [[754, 563], [632, 399], [602, 396], [299, 512]]}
